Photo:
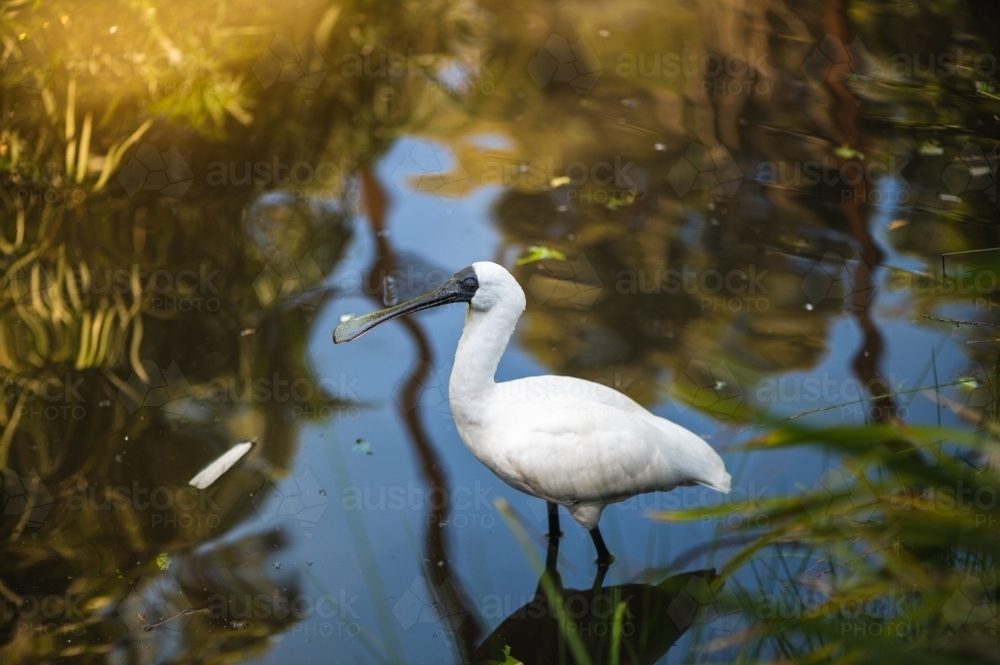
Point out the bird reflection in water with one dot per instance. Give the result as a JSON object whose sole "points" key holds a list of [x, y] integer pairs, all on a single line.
{"points": [[627, 623]]}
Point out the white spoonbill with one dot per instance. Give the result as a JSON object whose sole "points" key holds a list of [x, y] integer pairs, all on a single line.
{"points": [[568, 441]]}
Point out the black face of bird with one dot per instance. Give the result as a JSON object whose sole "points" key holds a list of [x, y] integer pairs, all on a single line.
{"points": [[460, 288]]}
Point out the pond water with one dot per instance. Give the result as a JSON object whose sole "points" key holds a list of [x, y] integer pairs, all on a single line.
{"points": [[738, 214]]}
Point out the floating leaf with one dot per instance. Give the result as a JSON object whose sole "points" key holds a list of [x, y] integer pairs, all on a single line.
{"points": [[538, 253], [847, 152], [626, 199], [507, 659], [928, 149], [162, 560]]}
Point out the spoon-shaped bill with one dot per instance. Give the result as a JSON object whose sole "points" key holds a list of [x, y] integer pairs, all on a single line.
{"points": [[460, 288]]}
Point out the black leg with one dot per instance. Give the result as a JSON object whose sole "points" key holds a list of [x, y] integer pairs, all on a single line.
{"points": [[552, 556], [602, 571], [551, 564], [554, 532], [604, 557]]}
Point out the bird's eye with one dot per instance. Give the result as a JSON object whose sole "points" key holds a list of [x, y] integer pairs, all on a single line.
{"points": [[470, 284]]}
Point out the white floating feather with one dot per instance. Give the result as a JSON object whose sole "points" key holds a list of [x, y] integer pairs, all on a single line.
{"points": [[220, 465]]}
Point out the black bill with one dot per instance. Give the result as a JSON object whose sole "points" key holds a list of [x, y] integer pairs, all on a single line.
{"points": [[460, 288]]}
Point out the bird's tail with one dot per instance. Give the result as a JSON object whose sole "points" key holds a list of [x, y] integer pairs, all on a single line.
{"points": [[722, 483], [695, 459], [713, 473]]}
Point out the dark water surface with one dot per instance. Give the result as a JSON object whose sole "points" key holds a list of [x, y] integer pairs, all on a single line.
{"points": [[737, 213]]}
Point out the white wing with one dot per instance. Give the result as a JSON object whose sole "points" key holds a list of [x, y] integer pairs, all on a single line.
{"points": [[220, 465], [570, 440]]}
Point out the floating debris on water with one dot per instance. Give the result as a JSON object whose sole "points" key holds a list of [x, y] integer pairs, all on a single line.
{"points": [[538, 253], [928, 149], [362, 446], [969, 382], [220, 465]]}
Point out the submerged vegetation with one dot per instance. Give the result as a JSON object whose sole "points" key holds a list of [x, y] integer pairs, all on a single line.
{"points": [[178, 181]]}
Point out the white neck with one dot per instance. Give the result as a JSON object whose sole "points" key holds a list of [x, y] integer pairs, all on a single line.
{"points": [[483, 342]]}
